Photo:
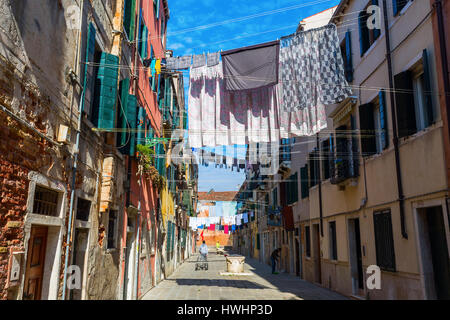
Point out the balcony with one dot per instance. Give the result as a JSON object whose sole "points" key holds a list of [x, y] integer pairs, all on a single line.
{"points": [[346, 162]]}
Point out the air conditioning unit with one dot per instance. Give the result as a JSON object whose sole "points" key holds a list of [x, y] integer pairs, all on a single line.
{"points": [[63, 134]]}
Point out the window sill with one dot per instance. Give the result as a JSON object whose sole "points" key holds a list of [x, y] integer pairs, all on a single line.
{"points": [[417, 135]]}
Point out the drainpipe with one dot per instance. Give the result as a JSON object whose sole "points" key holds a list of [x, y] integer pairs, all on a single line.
{"points": [[443, 51], [75, 165], [394, 123], [136, 258], [320, 189]]}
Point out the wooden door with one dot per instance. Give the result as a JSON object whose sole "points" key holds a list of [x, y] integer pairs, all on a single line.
{"points": [[35, 263]]}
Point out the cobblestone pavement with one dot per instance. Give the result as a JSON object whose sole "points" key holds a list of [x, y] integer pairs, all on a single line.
{"points": [[188, 284]]}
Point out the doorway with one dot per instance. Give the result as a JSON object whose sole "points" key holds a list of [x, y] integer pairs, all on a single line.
{"points": [[434, 253], [297, 258], [354, 236], [79, 255], [316, 244], [34, 271]]}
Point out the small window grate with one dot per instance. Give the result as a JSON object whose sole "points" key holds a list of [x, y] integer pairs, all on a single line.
{"points": [[45, 202]]}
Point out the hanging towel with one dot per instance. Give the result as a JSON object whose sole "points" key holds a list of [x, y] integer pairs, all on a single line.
{"points": [[171, 63], [199, 60], [225, 228], [158, 66], [233, 227], [212, 227], [245, 216], [213, 59], [251, 67], [312, 69]]}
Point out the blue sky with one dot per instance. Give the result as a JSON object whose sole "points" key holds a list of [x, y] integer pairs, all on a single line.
{"points": [[190, 32]]}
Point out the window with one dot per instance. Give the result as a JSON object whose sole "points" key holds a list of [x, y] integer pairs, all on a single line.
{"points": [[314, 167], [346, 51], [333, 240], [275, 198], [285, 150], [384, 241], [112, 232], [398, 5], [45, 202], [304, 182], [83, 209], [413, 98], [308, 241], [373, 124], [346, 161], [367, 37], [129, 18], [326, 154]]}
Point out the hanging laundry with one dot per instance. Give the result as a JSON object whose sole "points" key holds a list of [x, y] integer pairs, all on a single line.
{"points": [[251, 67], [218, 117], [233, 228], [199, 60], [217, 227], [225, 228], [245, 217], [171, 63], [184, 62], [153, 67], [213, 59], [212, 227], [312, 69], [158, 66]]}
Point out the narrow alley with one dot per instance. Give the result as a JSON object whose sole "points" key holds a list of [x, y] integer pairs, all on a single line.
{"points": [[257, 283]]}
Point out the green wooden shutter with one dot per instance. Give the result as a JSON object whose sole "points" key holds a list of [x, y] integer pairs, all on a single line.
{"points": [[258, 245], [89, 70], [157, 9], [106, 92], [383, 120], [406, 116], [348, 57], [367, 129], [129, 21], [141, 127], [144, 46], [123, 107], [132, 119], [427, 89]]}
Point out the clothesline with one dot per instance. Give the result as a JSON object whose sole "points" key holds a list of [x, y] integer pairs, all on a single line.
{"points": [[362, 87]]}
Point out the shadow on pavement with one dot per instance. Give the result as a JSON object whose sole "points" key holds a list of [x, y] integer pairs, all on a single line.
{"points": [[241, 284]]}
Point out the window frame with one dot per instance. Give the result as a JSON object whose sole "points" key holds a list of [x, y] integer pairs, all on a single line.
{"points": [[112, 236], [332, 234]]}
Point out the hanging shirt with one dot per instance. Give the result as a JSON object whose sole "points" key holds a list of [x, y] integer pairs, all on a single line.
{"points": [[158, 66], [245, 216], [251, 67]]}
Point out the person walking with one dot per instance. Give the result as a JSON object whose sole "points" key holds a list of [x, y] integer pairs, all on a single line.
{"points": [[274, 259]]}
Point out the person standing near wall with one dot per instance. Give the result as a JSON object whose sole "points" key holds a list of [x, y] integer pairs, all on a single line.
{"points": [[274, 259]]}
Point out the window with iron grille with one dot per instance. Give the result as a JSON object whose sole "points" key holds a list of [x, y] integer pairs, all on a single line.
{"points": [[333, 240], [83, 209], [45, 201], [308, 241], [384, 240], [112, 224]]}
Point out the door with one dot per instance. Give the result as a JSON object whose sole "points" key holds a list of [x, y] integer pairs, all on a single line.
{"points": [[436, 255], [297, 258], [356, 268], [34, 270], [79, 254], [316, 244]]}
